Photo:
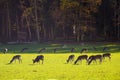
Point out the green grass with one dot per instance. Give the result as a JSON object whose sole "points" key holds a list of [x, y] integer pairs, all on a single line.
{"points": [[55, 68], [35, 47]]}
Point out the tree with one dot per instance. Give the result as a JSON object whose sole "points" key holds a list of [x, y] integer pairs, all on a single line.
{"points": [[105, 19]]}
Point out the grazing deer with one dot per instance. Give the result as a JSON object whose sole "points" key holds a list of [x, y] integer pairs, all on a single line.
{"points": [[16, 57], [80, 58], [70, 58], [43, 49], [94, 58], [38, 58], [107, 55], [55, 49], [24, 49], [105, 49], [5, 50], [83, 50], [73, 49], [94, 48]]}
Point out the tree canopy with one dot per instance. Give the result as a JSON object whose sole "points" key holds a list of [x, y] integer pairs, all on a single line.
{"points": [[59, 20]]}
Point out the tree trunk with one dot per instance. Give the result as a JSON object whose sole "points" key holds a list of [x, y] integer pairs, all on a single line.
{"points": [[78, 34], [52, 33], [36, 22], [17, 24], [118, 35], [9, 22], [44, 32], [28, 27], [64, 32]]}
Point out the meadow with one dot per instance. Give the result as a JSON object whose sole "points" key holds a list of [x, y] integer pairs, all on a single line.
{"points": [[55, 67]]}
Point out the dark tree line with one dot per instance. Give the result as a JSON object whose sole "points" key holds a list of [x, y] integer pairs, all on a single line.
{"points": [[59, 20]]}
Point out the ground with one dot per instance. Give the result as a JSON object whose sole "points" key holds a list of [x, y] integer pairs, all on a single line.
{"points": [[55, 67]]}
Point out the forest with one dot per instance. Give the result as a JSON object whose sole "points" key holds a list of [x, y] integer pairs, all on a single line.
{"points": [[59, 20]]}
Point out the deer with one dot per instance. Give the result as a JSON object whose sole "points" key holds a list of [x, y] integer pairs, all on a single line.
{"points": [[5, 50], [83, 50], [54, 50], [38, 58], [43, 49], [80, 58], [94, 48], [73, 49], [70, 58], [94, 58], [16, 57], [107, 55], [24, 49], [105, 49]]}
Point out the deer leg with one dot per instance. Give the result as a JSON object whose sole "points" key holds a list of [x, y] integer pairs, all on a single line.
{"points": [[42, 61], [71, 60], [39, 62], [100, 60], [15, 61], [103, 58], [86, 61], [81, 61], [95, 61], [20, 60], [109, 58]]}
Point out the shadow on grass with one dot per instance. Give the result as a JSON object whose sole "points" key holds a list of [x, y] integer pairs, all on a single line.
{"points": [[8, 64], [66, 48], [31, 64]]}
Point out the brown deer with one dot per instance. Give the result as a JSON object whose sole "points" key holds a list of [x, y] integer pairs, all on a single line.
{"points": [[73, 49], [5, 50], [24, 49], [105, 49], [94, 58], [70, 58], [55, 50], [43, 49], [83, 50], [107, 55], [80, 58], [16, 57], [38, 58]]}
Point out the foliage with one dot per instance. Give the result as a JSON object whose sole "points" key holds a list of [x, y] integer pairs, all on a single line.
{"points": [[45, 20]]}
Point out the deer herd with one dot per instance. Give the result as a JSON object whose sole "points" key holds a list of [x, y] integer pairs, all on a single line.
{"points": [[89, 59]]}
